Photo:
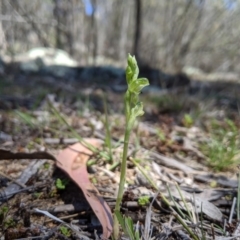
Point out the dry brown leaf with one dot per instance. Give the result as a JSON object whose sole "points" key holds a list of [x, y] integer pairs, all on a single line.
{"points": [[73, 161]]}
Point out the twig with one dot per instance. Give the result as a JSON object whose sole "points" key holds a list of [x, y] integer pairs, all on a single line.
{"points": [[13, 180]]}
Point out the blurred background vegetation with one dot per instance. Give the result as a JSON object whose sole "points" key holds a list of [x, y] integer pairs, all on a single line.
{"points": [[167, 35]]}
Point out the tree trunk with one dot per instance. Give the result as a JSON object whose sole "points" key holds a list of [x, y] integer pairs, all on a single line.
{"points": [[138, 26], [58, 32]]}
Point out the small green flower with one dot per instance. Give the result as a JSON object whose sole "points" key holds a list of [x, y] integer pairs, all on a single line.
{"points": [[133, 107], [132, 70], [137, 85]]}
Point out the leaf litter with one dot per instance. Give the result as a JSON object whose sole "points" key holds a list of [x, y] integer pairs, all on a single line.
{"points": [[35, 207]]}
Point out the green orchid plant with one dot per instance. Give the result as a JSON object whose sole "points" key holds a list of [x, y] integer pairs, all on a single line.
{"points": [[133, 109]]}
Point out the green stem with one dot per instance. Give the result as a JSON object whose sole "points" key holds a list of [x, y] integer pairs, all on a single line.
{"points": [[238, 197], [122, 180], [107, 127]]}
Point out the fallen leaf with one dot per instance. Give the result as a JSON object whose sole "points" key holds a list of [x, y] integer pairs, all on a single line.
{"points": [[73, 161]]}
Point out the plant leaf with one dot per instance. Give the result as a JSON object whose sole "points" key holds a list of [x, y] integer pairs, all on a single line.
{"points": [[121, 221], [129, 227]]}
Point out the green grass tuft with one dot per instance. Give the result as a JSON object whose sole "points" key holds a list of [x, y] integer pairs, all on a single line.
{"points": [[223, 148]]}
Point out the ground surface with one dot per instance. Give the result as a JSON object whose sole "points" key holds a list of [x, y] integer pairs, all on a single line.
{"points": [[186, 137]]}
